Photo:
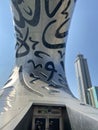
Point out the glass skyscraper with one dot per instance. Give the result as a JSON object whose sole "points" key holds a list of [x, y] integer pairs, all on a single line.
{"points": [[93, 96], [83, 77]]}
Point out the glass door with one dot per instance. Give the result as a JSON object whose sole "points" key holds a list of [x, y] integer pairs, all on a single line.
{"points": [[54, 124], [39, 124], [47, 118]]}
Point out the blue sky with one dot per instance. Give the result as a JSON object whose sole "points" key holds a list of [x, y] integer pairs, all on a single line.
{"points": [[83, 38]]}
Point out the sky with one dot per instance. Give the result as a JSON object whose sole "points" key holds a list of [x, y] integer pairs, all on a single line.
{"points": [[82, 38]]}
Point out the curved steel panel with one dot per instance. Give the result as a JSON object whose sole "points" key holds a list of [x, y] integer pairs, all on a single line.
{"points": [[41, 31]]}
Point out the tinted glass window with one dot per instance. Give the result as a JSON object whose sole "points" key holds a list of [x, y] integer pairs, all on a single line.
{"points": [[54, 124], [40, 123]]}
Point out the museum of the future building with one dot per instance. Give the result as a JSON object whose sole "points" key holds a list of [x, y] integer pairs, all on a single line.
{"points": [[36, 95]]}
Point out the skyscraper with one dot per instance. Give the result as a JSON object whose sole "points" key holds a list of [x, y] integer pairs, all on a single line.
{"points": [[83, 77], [93, 96]]}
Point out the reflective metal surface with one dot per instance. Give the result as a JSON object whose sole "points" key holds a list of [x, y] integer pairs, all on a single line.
{"points": [[41, 32], [41, 28]]}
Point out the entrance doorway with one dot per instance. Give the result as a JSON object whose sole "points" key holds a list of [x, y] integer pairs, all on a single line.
{"points": [[46, 118], [46, 124]]}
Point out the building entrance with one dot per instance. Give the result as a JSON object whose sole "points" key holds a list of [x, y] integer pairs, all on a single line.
{"points": [[46, 124], [46, 118]]}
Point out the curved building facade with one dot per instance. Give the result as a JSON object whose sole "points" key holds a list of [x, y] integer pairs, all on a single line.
{"points": [[41, 33], [37, 96]]}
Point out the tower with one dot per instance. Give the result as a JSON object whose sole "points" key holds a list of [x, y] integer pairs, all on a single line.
{"points": [[93, 96], [83, 77]]}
